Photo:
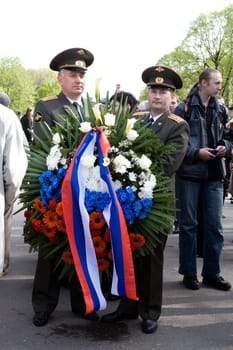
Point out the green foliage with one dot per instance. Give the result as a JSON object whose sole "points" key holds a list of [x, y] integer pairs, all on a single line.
{"points": [[16, 82], [160, 219], [208, 43]]}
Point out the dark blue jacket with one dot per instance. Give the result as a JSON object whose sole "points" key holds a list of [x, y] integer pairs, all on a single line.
{"points": [[213, 118]]}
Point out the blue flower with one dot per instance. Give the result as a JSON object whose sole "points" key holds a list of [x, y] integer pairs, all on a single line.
{"points": [[96, 201], [51, 181]]}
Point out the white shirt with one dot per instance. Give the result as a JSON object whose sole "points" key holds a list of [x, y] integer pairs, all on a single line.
{"points": [[155, 117]]}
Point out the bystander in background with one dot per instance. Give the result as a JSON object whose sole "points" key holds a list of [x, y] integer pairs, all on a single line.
{"points": [[13, 162], [201, 177], [26, 122], [4, 99]]}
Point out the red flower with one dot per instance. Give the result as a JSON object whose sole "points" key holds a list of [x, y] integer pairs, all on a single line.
{"points": [[27, 214], [36, 224]]}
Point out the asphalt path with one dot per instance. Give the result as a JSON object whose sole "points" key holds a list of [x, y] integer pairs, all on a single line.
{"points": [[190, 320]]}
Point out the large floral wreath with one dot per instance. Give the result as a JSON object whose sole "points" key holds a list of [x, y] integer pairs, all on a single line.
{"points": [[133, 161]]}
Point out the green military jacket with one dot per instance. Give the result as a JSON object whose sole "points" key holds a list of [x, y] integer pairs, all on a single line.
{"points": [[171, 129], [53, 109]]}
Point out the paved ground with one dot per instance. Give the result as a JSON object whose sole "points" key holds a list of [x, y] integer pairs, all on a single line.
{"points": [[191, 319]]}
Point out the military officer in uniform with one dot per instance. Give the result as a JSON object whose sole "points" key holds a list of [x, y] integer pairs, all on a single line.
{"points": [[71, 66], [170, 129]]}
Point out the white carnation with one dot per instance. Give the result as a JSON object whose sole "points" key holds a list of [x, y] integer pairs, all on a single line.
{"points": [[144, 162], [56, 138], [88, 161], [53, 157], [132, 176], [121, 164]]}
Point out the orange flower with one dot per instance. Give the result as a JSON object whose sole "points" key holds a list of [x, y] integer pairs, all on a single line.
{"points": [[107, 236], [50, 219], [68, 258], [96, 221], [49, 232], [39, 206], [103, 264], [99, 246], [59, 209], [61, 226], [109, 255], [95, 233], [136, 240], [52, 204]]}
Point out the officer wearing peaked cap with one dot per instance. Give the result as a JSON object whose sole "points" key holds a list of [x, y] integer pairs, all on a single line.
{"points": [[71, 66], [170, 130], [76, 59], [162, 77]]}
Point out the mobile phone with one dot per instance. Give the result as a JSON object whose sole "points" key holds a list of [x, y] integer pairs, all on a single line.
{"points": [[213, 151]]}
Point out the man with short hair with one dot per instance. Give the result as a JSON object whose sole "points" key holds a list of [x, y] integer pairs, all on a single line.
{"points": [[201, 179], [170, 130], [174, 102], [71, 66]]}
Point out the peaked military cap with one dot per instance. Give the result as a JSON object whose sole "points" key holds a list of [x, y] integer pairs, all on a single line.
{"points": [[162, 76], [77, 59]]}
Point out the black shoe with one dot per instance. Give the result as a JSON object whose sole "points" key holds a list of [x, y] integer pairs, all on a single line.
{"points": [[191, 282], [218, 283], [93, 316], [112, 297], [117, 316], [41, 318], [149, 326]]}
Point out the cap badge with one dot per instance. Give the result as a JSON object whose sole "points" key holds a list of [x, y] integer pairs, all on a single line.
{"points": [[159, 69], [80, 64], [159, 80], [81, 52]]}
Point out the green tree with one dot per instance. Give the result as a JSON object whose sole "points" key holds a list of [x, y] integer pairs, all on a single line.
{"points": [[16, 82], [208, 43]]}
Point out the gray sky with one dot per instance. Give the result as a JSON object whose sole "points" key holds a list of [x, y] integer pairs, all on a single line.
{"points": [[125, 36]]}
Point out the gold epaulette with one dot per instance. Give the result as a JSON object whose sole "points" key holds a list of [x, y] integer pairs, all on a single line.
{"points": [[49, 98], [139, 114], [176, 118]]}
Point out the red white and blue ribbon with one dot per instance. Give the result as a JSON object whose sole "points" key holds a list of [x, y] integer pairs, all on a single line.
{"points": [[78, 230]]}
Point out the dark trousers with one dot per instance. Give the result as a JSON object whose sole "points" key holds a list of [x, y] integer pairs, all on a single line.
{"points": [[46, 288], [149, 282]]}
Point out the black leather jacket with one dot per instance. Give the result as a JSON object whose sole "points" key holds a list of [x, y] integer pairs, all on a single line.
{"points": [[207, 129]]}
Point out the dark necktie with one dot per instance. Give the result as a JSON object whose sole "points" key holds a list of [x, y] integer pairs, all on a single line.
{"points": [[79, 109]]}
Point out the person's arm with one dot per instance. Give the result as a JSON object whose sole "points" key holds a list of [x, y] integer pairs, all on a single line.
{"points": [[14, 156]]}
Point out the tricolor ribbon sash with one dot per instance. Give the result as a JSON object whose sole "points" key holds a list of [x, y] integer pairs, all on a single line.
{"points": [[77, 224]]}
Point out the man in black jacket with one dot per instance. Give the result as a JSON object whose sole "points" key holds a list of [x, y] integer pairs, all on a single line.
{"points": [[71, 65], [201, 178]]}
